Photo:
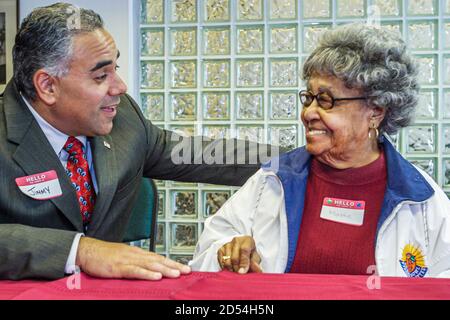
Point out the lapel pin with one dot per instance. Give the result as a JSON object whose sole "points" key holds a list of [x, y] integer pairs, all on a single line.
{"points": [[106, 144]]}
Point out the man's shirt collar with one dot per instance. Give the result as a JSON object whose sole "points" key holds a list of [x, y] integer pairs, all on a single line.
{"points": [[56, 138]]}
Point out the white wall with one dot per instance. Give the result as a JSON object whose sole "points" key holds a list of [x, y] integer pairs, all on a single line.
{"points": [[121, 19]]}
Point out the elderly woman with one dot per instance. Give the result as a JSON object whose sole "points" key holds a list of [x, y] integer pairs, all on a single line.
{"points": [[347, 201]]}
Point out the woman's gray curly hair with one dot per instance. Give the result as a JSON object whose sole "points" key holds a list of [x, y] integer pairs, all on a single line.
{"points": [[374, 60]]}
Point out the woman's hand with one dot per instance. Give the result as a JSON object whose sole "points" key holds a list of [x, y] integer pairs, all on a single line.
{"points": [[239, 255]]}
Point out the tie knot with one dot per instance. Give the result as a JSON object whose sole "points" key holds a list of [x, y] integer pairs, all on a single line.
{"points": [[73, 146]]}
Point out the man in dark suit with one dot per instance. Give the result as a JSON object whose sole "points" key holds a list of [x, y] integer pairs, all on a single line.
{"points": [[61, 208]]}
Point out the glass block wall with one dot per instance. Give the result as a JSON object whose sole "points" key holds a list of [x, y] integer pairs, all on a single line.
{"points": [[231, 68]]}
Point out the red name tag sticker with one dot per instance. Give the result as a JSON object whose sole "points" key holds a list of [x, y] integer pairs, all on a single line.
{"points": [[40, 186], [343, 211]]}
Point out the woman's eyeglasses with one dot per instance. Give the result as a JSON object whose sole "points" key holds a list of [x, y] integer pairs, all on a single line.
{"points": [[324, 99]]}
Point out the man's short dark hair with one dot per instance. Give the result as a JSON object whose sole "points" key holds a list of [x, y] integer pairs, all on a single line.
{"points": [[45, 41]]}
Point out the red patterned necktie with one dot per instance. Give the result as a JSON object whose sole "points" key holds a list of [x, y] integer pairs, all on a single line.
{"points": [[78, 172]]}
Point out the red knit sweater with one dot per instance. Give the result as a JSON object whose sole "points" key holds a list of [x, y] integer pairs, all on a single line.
{"points": [[331, 247]]}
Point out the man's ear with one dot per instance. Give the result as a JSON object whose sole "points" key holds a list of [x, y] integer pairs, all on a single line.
{"points": [[45, 85]]}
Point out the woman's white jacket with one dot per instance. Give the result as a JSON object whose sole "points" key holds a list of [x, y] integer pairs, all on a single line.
{"points": [[415, 219]]}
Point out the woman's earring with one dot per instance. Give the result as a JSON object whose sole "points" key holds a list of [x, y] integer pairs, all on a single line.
{"points": [[377, 133]]}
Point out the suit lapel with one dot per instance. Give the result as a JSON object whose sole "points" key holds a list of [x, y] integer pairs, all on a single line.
{"points": [[105, 164], [34, 153]]}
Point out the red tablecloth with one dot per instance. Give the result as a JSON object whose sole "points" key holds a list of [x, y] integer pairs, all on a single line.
{"points": [[229, 286]]}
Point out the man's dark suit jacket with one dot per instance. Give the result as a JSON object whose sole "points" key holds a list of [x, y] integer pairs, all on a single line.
{"points": [[36, 236]]}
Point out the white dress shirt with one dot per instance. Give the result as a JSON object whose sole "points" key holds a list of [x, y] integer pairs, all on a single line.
{"points": [[57, 140]]}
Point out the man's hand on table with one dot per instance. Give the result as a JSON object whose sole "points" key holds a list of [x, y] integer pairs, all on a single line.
{"points": [[117, 260], [239, 255]]}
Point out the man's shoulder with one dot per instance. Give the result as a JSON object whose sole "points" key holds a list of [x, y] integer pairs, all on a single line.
{"points": [[127, 102], [129, 121], [2, 117], [129, 109]]}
